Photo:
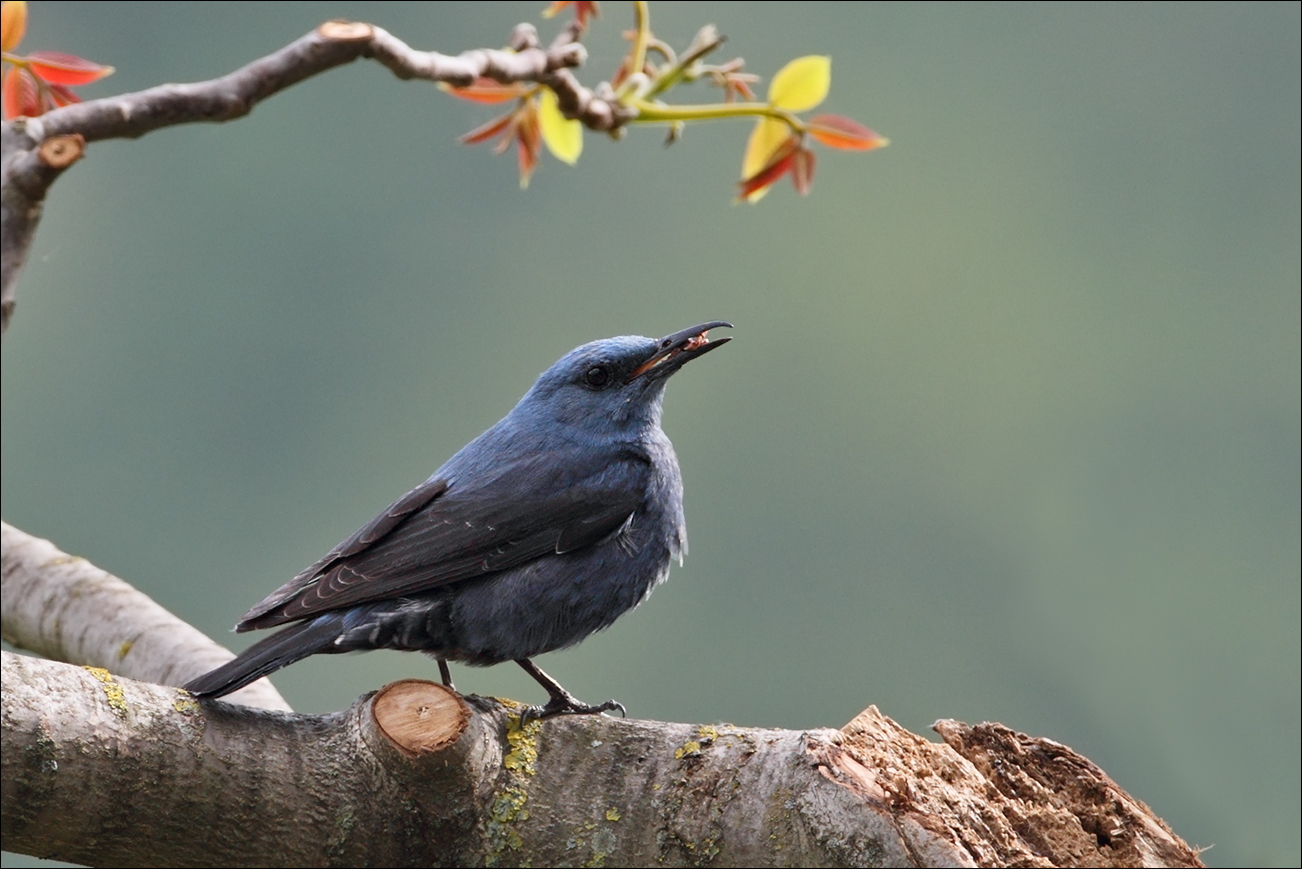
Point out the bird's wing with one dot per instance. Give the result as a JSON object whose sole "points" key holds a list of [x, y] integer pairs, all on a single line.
{"points": [[443, 532]]}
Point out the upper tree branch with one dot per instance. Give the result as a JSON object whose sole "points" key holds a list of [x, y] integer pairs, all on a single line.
{"points": [[35, 151], [332, 44]]}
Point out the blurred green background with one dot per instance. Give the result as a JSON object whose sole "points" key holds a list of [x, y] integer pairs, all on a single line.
{"points": [[1009, 430]]}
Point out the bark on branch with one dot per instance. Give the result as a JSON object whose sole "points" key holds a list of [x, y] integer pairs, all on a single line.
{"points": [[35, 151], [65, 608], [416, 775]]}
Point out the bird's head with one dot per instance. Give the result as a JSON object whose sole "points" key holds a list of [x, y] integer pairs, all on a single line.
{"points": [[615, 380]]}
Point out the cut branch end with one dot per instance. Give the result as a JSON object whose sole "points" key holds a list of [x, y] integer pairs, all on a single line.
{"points": [[420, 717], [346, 31], [60, 152]]}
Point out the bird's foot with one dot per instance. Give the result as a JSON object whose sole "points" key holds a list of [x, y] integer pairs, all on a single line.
{"points": [[562, 702], [568, 704], [446, 675]]}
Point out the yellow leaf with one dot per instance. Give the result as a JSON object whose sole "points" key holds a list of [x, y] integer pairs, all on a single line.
{"points": [[563, 137], [765, 139], [801, 84], [13, 21]]}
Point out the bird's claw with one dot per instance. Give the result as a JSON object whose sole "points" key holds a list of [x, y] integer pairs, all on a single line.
{"points": [[569, 706]]}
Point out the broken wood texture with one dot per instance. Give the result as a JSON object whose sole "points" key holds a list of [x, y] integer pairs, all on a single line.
{"points": [[35, 151], [417, 775]]}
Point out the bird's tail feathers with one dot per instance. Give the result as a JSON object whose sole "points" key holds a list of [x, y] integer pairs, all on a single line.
{"points": [[267, 656]]}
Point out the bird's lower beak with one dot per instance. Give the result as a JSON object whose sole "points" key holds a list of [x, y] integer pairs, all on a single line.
{"points": [[676, 350]]}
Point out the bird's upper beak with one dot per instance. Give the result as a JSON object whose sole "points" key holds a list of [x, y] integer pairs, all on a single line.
{"points": [[674, 351]]}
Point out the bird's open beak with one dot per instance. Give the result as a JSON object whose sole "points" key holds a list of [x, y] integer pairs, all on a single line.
{"points": [[676, 350]]}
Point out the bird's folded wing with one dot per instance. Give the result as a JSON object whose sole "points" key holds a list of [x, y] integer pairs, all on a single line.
{"points": [[443, 532]]}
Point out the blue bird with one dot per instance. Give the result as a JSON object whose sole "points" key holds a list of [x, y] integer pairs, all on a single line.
{"points": [[545, 528]]}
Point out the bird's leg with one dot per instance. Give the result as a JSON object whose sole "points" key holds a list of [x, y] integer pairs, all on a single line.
{"points": [[446, 675], [562, 702]]}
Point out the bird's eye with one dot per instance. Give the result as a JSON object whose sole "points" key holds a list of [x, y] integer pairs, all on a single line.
{"points": [[597, 376]]}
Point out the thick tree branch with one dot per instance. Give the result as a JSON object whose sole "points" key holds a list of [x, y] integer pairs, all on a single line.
{"points": [[415, 775], [29, 164], [67, 609]]}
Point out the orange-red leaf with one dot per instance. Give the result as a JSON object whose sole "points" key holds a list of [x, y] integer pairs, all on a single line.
{"points": [[802, 170], [770, 140], [13, 23], [58, 68], [487, 131], [486, 91], [62, 95], [583, 9], [739, 86], [781, 162], [20, 94], [835, 131], [528, 135]]}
